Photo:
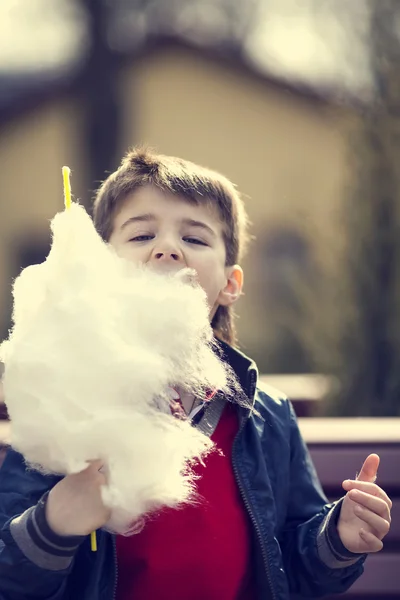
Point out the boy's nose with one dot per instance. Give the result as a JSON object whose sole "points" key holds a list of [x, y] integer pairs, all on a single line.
{"points": [[170, 255], [166, 255], [166, 261]]}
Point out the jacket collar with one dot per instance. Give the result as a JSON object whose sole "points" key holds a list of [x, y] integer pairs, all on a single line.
{"points": [[245, 369]]}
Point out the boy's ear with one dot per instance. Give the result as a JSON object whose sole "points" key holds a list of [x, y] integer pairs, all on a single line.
{"points": [[233, 288]]}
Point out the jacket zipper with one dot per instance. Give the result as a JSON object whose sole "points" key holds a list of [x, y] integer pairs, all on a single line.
{"points": [[115, 567], [264, 552]]}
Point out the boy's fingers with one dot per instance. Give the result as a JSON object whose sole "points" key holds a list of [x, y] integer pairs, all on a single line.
{"points": [[373, 503], [368, 488], [379, 526], [374, 545], [369, 469], [95, 465]]}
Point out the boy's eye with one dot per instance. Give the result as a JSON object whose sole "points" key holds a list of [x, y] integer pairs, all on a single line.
{"points": [[147, 237], [141, 238], [191, 240]]}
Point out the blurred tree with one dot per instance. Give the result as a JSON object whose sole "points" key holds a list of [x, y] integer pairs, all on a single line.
{"points": [[369, 357], [100, 94], [219, 24], [287, 264]]}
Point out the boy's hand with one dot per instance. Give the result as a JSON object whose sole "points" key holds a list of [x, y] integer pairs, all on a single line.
{"points": [[365, 513], [74, 506]]}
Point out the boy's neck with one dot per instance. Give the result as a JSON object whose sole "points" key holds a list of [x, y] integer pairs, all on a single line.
{"points": [[188, 401]]}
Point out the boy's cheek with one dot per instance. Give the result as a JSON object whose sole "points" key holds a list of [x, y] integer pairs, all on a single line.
{"points": [[126, 251]]}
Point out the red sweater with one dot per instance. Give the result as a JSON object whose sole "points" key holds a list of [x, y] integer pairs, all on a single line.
{"points": [[199, 552]]}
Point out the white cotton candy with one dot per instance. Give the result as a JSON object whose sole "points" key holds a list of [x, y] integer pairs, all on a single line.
{"points": [[95, 344]]}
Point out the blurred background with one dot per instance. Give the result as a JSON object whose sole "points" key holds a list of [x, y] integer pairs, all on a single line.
{"points": [[297, 103]]}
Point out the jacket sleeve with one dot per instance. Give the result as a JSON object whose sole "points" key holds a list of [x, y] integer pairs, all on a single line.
{"points": [[316, 561], [34, 563]]}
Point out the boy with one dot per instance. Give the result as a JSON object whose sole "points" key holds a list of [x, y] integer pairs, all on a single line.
{"points": [[261, 527]]}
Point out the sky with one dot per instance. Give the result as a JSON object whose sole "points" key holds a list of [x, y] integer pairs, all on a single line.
{"points": [[320, 43], [40, 35]]}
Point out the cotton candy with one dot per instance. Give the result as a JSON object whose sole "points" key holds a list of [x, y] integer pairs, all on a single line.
{"points": [[96, 343]]}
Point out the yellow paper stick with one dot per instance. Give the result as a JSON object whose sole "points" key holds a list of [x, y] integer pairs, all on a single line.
{"points": [[66, 171], [93, 541]]}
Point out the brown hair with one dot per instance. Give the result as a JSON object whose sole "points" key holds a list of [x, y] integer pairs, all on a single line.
{"points": [[195, 184]]}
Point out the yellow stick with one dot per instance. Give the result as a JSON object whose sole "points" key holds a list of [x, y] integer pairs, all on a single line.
{"points": [[93, 541], [66, 171]]}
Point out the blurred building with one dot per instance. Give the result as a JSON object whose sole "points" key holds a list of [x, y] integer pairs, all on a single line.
{"points": [[286, 149]]}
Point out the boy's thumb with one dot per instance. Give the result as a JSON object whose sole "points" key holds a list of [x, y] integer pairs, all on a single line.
{"points": [[369, 469]]}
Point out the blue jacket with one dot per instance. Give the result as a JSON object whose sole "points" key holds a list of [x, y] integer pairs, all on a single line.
{"points": [[296, 547]]}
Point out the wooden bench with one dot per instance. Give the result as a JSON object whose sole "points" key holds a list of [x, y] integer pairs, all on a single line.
{"points": [[338, 448]]}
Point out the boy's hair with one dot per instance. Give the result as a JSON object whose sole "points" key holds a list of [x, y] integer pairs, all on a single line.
{"points": [[197, 185]]}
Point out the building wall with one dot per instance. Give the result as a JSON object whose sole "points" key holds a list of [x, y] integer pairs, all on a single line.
{"points": [[33, 149]]}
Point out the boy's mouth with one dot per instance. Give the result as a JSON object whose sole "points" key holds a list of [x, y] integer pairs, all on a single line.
{"points": [[172, 270], [168, 268]]}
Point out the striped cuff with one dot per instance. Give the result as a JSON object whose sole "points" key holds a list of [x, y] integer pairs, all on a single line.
{"points": [[39, 543], [331, 550]]}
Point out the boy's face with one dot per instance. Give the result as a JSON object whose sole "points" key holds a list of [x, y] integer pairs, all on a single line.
{"points": [[168, 234]]}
